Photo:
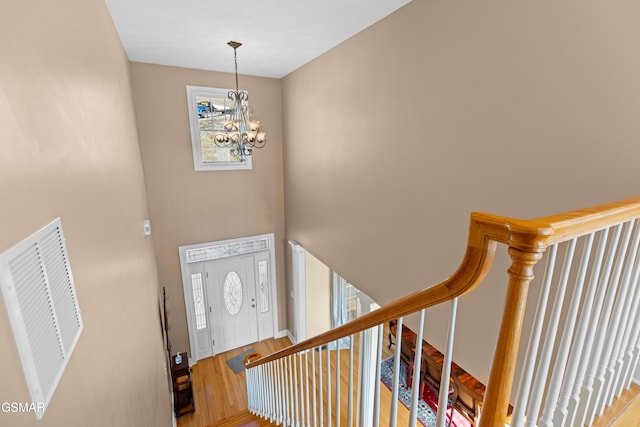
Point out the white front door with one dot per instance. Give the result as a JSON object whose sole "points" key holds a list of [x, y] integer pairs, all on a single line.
{"points": [[232, 297]]}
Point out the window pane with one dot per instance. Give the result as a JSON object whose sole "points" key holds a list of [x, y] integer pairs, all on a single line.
{"points": [[264, 287], [198, 301]]}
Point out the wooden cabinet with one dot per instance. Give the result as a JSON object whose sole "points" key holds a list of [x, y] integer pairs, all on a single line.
{"points": [[182, 389]]}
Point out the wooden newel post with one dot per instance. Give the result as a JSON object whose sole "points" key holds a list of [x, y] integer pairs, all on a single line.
{"points": [[498, 393]]}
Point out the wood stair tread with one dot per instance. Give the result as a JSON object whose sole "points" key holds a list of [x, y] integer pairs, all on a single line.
{"points": [[245, 419]]}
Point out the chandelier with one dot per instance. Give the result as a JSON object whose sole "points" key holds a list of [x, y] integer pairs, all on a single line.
{"points": [[240, 133]]}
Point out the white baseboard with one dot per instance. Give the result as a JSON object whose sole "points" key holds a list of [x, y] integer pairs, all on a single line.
{"points": [[282, 334], [291, 338]]}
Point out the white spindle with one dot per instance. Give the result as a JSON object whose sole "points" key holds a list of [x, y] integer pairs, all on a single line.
{"points": [[287, 363], [417, 358], [276, 391], [526, 375], [580, 391], [306, 386], [618, 324], [562, 352], [320, 397], [446, 367], [285, 404], [547, 349], [376, 395], [552, 415], [328, 386], [635, 356], [258, 390], [393, 417], [313, 388], [267, 393], [573, 365], [249, 395], [594, 380], [359, 399], [626, 351], [350, 397], [272, 390], [303, 405], [262, 390], [294, 389], [338, 406]]}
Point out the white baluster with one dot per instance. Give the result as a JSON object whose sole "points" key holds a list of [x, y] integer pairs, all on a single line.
{"points": [[619, 324], [320, 396], [306, 385], [313, 388], [328, 386], [294, 390], [283, 380], [562, 353], [359, 399], [446, 367], [626, 352], [634, 359], [581, 393], [550, 337], [573, 365], [337, 416], [350, 399], [249, 391], [413, 416], [301, 392], [526, 375], [289, 415], [376, 395], [393, 417], [258, 390], [272, 392], [276, 384], [594, 380]]}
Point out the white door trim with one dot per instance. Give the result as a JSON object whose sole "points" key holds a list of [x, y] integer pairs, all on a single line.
{"points": [[299, 291], [224, 249]]}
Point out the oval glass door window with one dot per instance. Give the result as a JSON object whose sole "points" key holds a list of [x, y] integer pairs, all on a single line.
{"points": [[232, 292]]}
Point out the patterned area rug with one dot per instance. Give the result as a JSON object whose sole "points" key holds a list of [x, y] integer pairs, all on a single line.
{"points": [[427, 406]]}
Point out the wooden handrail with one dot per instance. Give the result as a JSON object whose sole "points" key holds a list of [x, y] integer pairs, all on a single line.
{"points": [[484, 231], [527, 240]]}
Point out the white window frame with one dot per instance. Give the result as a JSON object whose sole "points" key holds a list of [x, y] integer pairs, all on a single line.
{"points": [[198, 163], [39, 293]]}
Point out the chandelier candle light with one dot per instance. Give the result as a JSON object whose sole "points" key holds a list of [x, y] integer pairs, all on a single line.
{"points": [[241, 134]]}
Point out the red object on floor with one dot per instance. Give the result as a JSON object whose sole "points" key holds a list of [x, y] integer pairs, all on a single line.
{"points": [[459, 420]]}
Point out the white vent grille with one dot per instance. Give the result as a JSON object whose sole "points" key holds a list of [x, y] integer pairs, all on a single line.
{"points": [[38, 289]]}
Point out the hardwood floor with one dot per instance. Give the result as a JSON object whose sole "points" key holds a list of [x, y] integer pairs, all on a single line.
{"points": [[624, 411], [221, 396], [219, 392]]}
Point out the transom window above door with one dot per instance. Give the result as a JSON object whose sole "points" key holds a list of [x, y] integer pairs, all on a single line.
{"points": [[209, 110]]}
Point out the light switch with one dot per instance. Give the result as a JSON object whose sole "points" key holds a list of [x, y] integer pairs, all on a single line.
{"points": [[147, 227]]}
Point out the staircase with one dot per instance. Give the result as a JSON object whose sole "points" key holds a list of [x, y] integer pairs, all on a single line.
{"points": [[582, 351]]}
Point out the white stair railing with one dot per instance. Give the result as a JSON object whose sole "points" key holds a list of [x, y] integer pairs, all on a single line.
{"points": [[583, 348], [304, 389], [579, 360]]}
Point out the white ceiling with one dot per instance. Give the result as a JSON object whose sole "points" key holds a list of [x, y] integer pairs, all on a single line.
{"points": [[278, 36]]}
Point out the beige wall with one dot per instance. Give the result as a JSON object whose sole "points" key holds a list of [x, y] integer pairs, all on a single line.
{"points": [[318, 280], [395, 136], [70, 149], [193, 207]]}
